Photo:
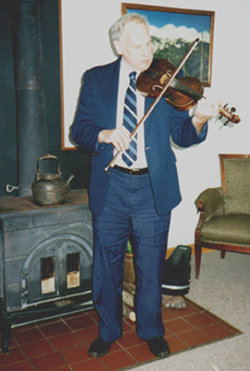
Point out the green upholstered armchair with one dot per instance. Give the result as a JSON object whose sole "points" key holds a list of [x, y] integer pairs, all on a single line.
{"points": [[224, 222]]}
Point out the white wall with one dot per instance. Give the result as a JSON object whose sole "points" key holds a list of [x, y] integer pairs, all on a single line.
{"points": [[85, 44]]}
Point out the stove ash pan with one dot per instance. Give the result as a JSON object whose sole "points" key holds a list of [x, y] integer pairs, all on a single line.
{"points": [[46, 255]]}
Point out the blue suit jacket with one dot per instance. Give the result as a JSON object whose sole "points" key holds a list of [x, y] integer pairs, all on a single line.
{"points": [[97, 111]]}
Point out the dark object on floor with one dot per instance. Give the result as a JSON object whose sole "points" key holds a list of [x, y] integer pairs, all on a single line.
{"points": [[176, 275], [99, 348], [158, 346]]}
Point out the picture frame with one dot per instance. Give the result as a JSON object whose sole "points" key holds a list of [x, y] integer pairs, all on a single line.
{"points": [[173, 30]]}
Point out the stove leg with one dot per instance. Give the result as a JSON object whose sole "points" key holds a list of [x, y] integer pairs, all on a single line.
{"points": [[6, 332]]}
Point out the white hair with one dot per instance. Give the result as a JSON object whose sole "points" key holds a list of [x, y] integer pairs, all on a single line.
{"points": [[116, 30]]}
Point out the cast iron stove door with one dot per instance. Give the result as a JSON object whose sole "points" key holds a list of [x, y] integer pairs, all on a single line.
{"points": [[57, 267]]}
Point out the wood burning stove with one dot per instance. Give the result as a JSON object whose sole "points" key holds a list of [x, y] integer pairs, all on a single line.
{"points": [[45, 260], [45, 252]]}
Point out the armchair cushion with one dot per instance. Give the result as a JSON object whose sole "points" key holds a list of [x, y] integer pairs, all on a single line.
{"points": [[229, 229], [237, 183]]}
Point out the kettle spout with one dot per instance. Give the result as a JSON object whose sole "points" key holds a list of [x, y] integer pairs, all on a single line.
{"points": [[69, 179]]}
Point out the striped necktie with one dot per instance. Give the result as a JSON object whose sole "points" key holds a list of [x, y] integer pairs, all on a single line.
{"points": [[130, 120]]}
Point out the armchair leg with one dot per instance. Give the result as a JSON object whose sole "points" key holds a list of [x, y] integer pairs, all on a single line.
{"points": [[222, 254], [197, 260]]}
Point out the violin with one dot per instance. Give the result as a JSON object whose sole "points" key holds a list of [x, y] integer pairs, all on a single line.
{"points": [[182, 93], [162, 80]]}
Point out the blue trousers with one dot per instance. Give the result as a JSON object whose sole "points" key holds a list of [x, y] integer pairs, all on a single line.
{"points": [[129, 207]]}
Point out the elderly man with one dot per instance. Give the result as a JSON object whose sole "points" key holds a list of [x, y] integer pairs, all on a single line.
{"points": [[140, 191]]}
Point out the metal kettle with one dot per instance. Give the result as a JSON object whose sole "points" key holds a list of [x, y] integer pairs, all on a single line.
{"points": [[49, 188]]}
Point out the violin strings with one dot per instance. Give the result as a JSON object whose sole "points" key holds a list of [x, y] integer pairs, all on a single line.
{"points": [[178, 86], [181, 87]]}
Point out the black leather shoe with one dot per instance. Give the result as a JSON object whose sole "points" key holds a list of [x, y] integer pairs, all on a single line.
{"points": [[158, 346], [99, 348]]}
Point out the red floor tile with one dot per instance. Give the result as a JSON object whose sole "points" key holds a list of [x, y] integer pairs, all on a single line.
{"points": [[177, 325], [89, 365], [115, 347], [141, 353], [49, 362], [117, 360], [127, 326], [194, 337], [75, 354], [80, 322], [64, 341], [92, 313], [216, 331], [20, 366], [168, 314], [53, 329], [75, 316], [210, 315], [167, 333], [176, 345], [26, 336], [230, 328], [130, 339], [14, 355], [129, 322], [89, 334], [200, 319], [36, 349], [194, 306]]}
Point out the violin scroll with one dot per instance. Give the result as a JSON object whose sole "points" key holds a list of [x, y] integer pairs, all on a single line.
{"points": [[229, 114]]}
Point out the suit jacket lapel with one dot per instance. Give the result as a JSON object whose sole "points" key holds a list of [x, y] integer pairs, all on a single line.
{"points": [[110, 91]]}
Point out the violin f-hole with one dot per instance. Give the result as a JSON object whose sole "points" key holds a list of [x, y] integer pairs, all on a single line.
{"points": [[154, 87]]}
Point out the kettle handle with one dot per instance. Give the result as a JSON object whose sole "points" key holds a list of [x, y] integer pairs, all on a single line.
{"points": [[47, 157]]}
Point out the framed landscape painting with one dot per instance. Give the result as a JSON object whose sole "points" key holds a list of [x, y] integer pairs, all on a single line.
{"points": [[172, 33]]}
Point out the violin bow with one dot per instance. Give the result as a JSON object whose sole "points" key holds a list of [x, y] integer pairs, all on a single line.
{"points": [[113, 161]]}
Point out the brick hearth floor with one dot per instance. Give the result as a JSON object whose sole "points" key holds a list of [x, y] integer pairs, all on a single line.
{"points": [[62, 344]]}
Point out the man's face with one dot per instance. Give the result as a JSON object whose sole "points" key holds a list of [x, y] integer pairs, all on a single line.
{"points": [[135, 46]]}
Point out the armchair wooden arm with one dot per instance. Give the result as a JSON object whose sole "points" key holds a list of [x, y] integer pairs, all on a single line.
{"points": [[210, 202]]}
